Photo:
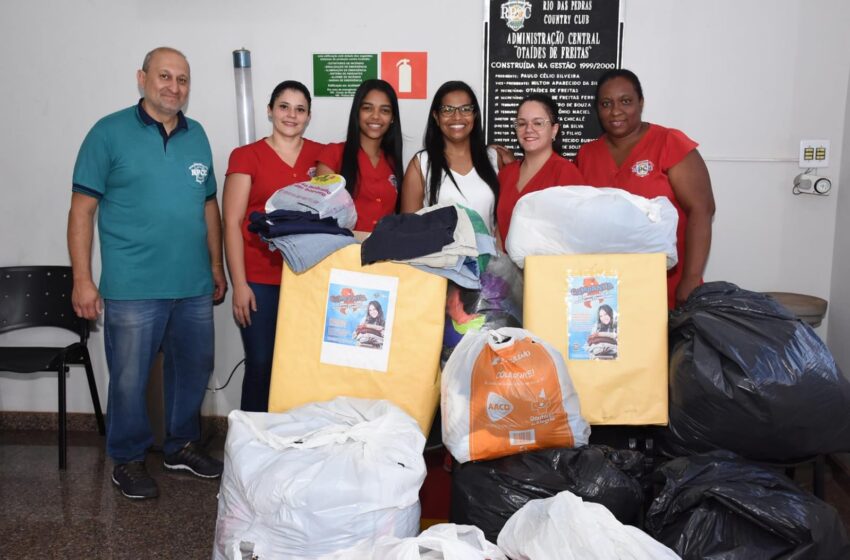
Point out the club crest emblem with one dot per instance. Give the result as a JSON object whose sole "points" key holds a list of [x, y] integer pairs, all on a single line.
{"points": [[642, 168], [199, 171], [515, 12]]}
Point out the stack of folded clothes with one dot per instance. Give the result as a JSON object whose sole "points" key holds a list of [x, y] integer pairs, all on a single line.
{"points": [[447, 240], [303, 238]]}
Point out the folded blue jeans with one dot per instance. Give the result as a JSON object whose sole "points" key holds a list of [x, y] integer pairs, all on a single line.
{"points": [[304, 251], [134, 331]]}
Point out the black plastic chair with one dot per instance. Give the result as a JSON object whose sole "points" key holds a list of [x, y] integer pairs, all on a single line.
{"points": [[40, 296]]}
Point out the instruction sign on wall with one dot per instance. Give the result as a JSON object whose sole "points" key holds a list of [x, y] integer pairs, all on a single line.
{"points": [[339, 75], [557, 47], [407, 72]]}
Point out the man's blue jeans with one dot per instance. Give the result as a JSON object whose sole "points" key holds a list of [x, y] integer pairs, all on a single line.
{"points": [[134, 331]]}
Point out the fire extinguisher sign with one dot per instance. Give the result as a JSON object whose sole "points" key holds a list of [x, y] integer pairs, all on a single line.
{"points": [[407, 72]]}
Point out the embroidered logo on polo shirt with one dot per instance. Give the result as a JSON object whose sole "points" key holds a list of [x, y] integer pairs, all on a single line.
{"points": [[199, 171], [394, 182], [642, 168], [311, 172]]}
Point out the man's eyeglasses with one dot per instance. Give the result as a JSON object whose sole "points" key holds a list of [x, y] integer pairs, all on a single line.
{"points": [[534, 124], [448, 110]]}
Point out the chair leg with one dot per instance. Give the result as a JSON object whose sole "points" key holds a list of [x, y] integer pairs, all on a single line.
{"points": [[63, 441], [93, 390]]}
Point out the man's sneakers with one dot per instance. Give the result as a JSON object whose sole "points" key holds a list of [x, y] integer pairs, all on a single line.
{"points": [[193, 459], [134, 481]]}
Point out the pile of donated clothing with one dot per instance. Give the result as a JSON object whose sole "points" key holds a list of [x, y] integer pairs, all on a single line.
{"points": [[307, 221], [340, 479]]}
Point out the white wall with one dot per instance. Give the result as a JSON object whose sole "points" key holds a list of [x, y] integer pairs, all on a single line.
{"points": [[747, 80], [839, 314]]}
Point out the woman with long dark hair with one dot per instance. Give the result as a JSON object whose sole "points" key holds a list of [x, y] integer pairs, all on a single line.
{"points": [[254, 173], [370, 157], [370, 331], [605, 319], [456, 167], [602, 342]]}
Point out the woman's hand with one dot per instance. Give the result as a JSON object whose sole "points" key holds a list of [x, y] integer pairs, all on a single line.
{"points": [[687, 284], [237, 190], [692, 187], [324, 169], [244, 303], [505, 155], [412, 188]]}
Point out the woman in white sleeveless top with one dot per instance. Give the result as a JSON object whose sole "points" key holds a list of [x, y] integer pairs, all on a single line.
{"points": [[456, 167]]}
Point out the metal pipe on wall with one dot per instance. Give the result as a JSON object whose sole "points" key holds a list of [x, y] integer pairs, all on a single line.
{"points": [[244, 96]]}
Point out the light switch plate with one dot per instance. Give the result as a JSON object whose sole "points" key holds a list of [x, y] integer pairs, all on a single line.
{"points": [[814, 153]]}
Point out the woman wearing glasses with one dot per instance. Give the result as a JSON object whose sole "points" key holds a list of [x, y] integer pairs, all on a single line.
{"points": [[650, 161], [541, 167], [370, 157], [455, 167]]}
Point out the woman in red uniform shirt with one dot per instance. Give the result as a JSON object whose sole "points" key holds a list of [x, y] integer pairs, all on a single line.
{"points": [[254, 173], [650, 160], [541, 167], [370, 157]]}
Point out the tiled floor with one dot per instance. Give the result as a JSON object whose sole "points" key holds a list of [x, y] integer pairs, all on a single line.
{"points": [[45, 513]]}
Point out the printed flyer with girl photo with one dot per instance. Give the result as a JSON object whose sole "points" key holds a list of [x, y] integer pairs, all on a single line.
{"points": [[592, 315], [358, 320]]}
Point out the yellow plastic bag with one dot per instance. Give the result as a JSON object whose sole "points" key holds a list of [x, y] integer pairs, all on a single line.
{"points": [[372, 332], [607, 315]]}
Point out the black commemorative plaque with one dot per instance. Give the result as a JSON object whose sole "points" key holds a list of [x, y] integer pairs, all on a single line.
{"points": [[557, 47]]}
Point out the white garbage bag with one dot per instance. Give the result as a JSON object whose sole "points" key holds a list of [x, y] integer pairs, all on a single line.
{"points": [[566, 528], [505, 391], [588, 220], [445, 541], [317, 479], [324, 195]]}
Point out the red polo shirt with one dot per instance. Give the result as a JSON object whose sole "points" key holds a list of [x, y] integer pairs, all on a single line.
{"points": [[377, 187]]}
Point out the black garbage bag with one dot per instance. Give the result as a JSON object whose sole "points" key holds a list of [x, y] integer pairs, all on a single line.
{"points": [[747, 376], [487, 493], [717, 505]]}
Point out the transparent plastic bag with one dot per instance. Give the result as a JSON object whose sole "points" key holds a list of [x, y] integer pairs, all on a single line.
{"points": [[588, 220], [324, 195]]}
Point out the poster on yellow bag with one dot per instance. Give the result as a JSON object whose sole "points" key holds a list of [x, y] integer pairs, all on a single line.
{"points": [[359, 320], [592, 317], [607, 315], [371, 332]]}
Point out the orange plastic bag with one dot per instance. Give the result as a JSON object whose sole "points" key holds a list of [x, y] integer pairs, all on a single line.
{"points": [[506, 392]]}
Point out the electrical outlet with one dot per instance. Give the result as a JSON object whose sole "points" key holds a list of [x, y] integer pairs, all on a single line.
{"points": [[814, 153], [805, 183]]}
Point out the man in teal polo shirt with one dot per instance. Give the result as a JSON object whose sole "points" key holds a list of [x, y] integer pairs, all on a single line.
{"points": [[147, 171]]}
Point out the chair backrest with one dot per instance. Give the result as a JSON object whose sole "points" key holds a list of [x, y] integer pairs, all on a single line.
{"points": [[38, 296]]}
